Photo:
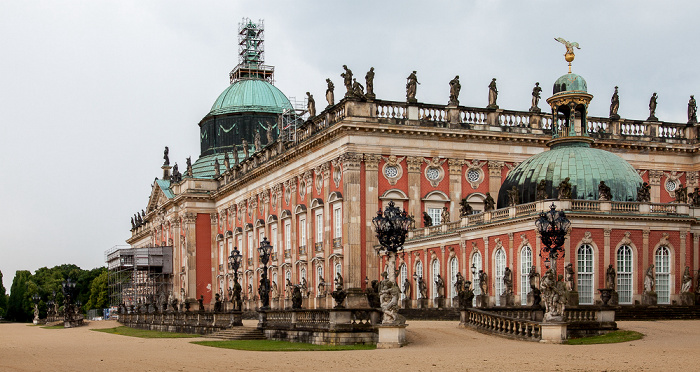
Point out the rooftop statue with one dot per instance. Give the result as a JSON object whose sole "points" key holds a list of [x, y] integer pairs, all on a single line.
{"points": [[369, 82], [246, 150], [427, 220], [330, 96], [256, 141], [681, 194], [455, 87], [188, 170], [569, 55], [411, 85], [508, 281], [604, 192], [692, 111], [311, 105], [644, 193], [652, 108], [687, 281], [489, 203], [176, 177], [565, 189], [227, 163], [268, 133], [167, 159], [217, 170], [536, 95], [493, 95], [235, 154], [614, 105], [465, 208], [513, 197], [541, 190], [357, 89], [445, 215], [347, 80]]}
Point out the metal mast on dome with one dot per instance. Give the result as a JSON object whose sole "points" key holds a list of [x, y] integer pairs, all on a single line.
{"points": [[251, 53]]}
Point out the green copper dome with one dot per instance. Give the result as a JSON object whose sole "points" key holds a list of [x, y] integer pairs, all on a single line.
{"points": [[585, 166], [251, 95], [570, 83]]}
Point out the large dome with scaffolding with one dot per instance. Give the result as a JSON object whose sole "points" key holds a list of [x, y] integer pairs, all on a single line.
{"points": [[251, 95]]}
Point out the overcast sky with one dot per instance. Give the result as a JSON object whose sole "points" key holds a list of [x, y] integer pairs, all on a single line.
{"points": [[91, 91]]}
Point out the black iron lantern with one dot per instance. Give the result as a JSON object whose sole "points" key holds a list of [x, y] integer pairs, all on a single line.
{"points": [[391, 227], [553, 227], [234, 261], [265, 251], [36, 298]]}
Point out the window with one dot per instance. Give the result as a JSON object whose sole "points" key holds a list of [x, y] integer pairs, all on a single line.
{"points": [[500, 270], [476, 264], [221, 256], [338, 223], [338, 269], [250, 245], [319, 226], [435, 214], [261, 236], [319, 272], [240, 244], [274, 277], [230, 249], [403, 275], [419, 273], [525, 266], [662, 266], [624, 274], [585, 274], [302, 232], [287, 235], [302, 274], [454, 269], [273, 238], [436, 272]]}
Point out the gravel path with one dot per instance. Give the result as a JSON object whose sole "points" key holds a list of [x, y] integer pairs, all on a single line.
{"points": [[434, 346]]}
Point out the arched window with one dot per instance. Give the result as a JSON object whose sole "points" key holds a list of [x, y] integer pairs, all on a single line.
{"points": [[454, 269], [302, 274], [319, 275], [274, 278], [338, 270], [419, 274], [585, 274], [500, 270], [624, 274], [525, 266], [662, 266], [476, 265], [403, 275], [435, 271]]}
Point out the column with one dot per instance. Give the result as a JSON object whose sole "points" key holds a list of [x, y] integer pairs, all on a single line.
{"points": [[372, 206], [655, 183], [606, 253], [351, 217], [495, 168], [214, 257], [455, 166], [414, 198], [191, 259]]}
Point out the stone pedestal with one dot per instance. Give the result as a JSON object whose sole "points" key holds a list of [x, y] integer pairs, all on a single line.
{"points": [[614, 299], [687, 299], [649, 298], [530, 299], [439, 302], [391, 336], [406, 303], [554, 333], [482, 301], [572, 298], [421, 303], [356, 299], [507, 300], [412, 115]]}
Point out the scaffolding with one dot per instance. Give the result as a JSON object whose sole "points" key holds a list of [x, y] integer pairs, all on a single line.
{"points": [[251, 53], [139, 275], [293, 118]]}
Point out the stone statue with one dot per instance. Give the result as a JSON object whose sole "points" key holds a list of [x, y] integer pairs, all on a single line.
{"points": [[533, 277], [133, 225], [250, 290], [296, 297], [565, 189], [681, 194], [604, 192], [330, 96], [614, 105], [422, 288], [311, 105], [217, 168], [465, 295], [440, 286], [268, 133], [692, 111], [427, 220], [275, 290], [167, 159], [508, 281], [188, 170], [411, 84], [445, 215], [176, 177], [235, 154], [347, 80], [246, 150], [649, 280], [357, 89], [610, 277], [338, 282], [536, 95], [288, 289], [369, 82], [465, 208], [236, 299], [569, 277], [459, 282], [541, 190], [339, 294], [227, 163], [217, 302], [644, 193], [554, 294], [407, 288], [687, 280], [569, 47], [489, 203], [513, 197], [321, 286], [304, 288], [483, 282], [455, 87], [493, 95], [256, 141], [389, 300], [200, 300], [652, 108], [372, 293]]}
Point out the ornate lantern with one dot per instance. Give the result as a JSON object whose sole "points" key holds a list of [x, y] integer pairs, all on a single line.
{"points": [[553, 227], [265, 251], [234, 261]]}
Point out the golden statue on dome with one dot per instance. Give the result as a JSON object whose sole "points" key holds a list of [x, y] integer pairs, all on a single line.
{"points": [[569, 55]]}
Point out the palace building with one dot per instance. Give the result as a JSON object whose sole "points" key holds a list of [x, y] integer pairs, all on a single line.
{"points": [[312, 180]]}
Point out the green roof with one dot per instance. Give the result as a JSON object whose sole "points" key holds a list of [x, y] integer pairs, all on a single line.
{"points": [[165, 186], [204, 166], [570, 83], [585, 166], [251, 95]]}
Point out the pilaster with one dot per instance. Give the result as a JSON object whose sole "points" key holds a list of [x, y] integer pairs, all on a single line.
{"points": [[191, 251], [371, 201], [607, 255], [352, 220], [455, 167], [495, 169], [413, 165], [655, 183]]}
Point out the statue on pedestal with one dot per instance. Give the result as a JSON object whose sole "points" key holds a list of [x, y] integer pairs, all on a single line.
{"points": [[311, 105], [489, 203], [304, 288], [200, 300], [227, 163], [389, 299], [256, 141], [217, 170], [445, 215], [554, 293], [604, 192], [483, 283], [288, 289], [321, 286], [652, 108], [166, 158], [692, 111], [422, 288], [493, 95], [614, 106], [440, 287], [369, 82], [246, 150], [188, 170], [541, 190], [610, 277], [455, 87], [347, 81], [357, 89], [465, 208], [459, 282], [296, 297], [508, 281], [644, 193], [275, 290], [687, 280], [407, 288], [268, 134], [330, 96], [649, 280], [411, 85], [569, 277], [536, 95], [565, 189]]}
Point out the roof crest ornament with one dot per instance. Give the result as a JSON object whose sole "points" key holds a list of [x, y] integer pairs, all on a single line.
{"points": [[570, 45]]}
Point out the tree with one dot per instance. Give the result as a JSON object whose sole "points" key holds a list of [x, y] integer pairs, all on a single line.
{"points": [[19, 307], [99, 298], [3, 298]]}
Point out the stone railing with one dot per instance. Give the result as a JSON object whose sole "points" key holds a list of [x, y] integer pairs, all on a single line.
{"points": [[507, 326], [185, 322]]}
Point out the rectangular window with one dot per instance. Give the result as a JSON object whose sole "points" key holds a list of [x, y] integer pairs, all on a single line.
{"points": [[221, 256], [319, 227], [338, 222], [302, 232], [240, 244], [435, 214], [261, 236], [273, 238], [287, 235], [250, 245]]}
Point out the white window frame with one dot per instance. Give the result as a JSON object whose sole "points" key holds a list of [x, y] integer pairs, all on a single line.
{"points": [[525, 267], [338, 270], [436, 215], [319, 226], [261, 236], [586, 274], [273, 237], [338, 221], [240, 245], [625, 271], [250, 244], [662, 267], [419, 274], [435, 269], [302, 231], [454, 269], [403, 275], [221, 256], [287, 235], [478, 264], [500, 266]]}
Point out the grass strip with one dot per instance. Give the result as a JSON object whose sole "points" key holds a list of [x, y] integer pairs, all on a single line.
{"points": [[143, 333], [270, 345], [608, 338], [54, 327]]}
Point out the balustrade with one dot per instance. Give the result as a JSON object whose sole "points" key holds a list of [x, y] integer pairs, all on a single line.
{"points": [[585, 205], [625, 206], [663, 208], [472, 115], [574, 315], [514, 119], [503, 325], [500, 214], [391, 110], [525, 209]]}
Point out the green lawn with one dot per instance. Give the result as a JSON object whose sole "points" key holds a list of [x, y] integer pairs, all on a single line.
{"points": [[60, 326], [143, 333], [269, 345], [609, 338]]}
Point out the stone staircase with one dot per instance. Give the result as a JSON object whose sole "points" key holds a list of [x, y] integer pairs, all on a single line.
{"points": [[238, 333]]}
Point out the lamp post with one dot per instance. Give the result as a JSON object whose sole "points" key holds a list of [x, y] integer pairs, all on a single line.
{"points": [[234, 262], [265, 251], [553, 227], [68, 287], [35, 299]]}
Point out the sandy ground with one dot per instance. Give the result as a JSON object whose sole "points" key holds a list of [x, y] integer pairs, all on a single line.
{"points": [[433, 346]]}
